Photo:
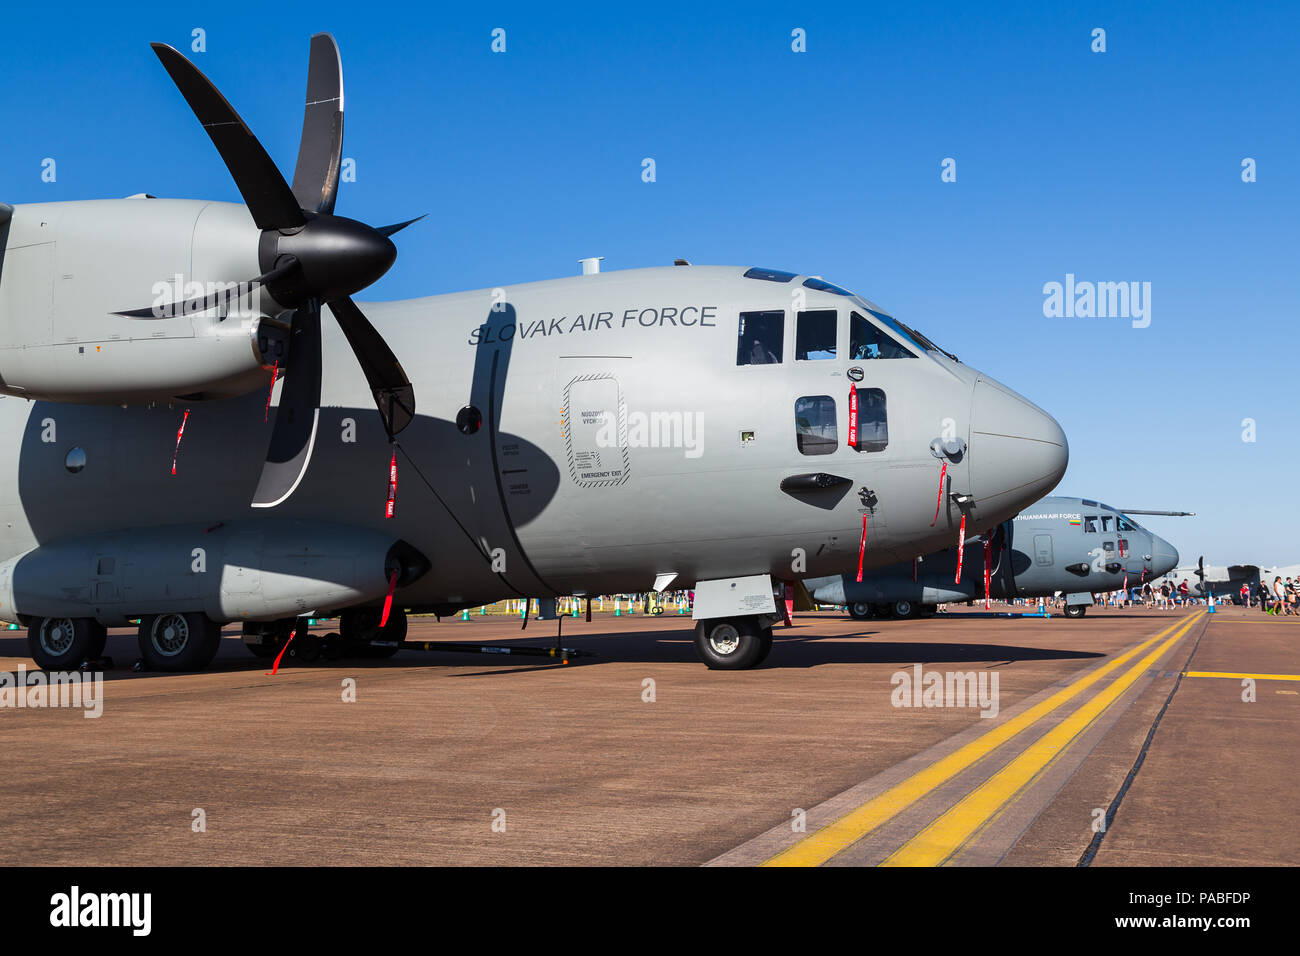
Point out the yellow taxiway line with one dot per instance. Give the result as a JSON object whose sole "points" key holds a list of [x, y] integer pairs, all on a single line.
{"points": [[1242, 676], [818, 847], [937, 842]]}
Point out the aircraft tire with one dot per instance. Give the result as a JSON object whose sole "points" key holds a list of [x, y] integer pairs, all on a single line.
{"points": [[62, 643], [332, 646], [305, 648], [904, 610], [1076, 610], [729, 643], [178, 642], [765, 635], [360, 627], [861, 611]]}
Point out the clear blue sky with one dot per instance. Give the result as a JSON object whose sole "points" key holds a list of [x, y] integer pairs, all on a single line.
{"points": [[1121, 166]]}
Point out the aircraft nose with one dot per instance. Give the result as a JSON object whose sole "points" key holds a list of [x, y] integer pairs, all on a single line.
{"points": [[1164, 556], [1018, 452]]}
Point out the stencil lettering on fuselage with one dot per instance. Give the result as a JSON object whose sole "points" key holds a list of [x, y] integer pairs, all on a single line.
{"points": [[593, 413]]}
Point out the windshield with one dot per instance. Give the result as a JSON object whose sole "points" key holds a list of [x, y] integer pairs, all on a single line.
{"points": [[900, 331], [1128, 524]]}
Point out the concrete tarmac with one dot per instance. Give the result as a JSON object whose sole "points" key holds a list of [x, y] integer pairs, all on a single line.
{"points": [[641, 755]]}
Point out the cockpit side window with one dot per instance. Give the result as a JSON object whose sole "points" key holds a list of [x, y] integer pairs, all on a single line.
{"points": [[1105, 523], [814, 336], [814, 425], [761, 338], [866, 341], [1127, 524], [1090, 524]]}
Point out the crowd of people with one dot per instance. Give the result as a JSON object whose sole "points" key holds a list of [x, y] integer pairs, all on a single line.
{"points": [[1281, 598]]}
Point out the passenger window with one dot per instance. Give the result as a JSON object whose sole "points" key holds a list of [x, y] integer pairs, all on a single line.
{"points": [[1090, 524], [814, 425], [868, 342], [761, 338], [873, 422], [814, 336]]}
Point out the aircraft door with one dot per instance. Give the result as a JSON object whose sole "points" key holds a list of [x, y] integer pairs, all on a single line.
{"points": [[1043, 557]]}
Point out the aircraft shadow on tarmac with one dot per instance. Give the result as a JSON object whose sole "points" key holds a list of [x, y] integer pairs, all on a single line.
{"points": [[648, 647]]}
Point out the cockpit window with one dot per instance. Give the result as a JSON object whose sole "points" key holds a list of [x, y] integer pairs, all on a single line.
{"points": [[814, 425], [1128, 524], [814, 336], [1106, 522], [761, 339], [771, 275], [821, 285], [899, 329], [868, 342]]}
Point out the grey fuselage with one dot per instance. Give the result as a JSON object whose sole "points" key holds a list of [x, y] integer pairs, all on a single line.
{"points": [[620, 438], [1060, 545]]}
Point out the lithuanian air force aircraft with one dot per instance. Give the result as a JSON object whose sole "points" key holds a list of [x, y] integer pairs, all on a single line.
{"points": [[1072, 546], [609, 432]]}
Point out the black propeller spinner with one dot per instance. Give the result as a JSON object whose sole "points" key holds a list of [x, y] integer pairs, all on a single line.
{"points": [[307, 255]]}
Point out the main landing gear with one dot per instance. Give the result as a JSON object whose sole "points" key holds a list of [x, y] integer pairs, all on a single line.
{"points": [[168, 642], [1076, 610], [63, 643], [733, 643]]}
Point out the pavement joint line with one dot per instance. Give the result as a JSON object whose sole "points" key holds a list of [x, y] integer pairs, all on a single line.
{"points": [[816, 848], [951, 831]]}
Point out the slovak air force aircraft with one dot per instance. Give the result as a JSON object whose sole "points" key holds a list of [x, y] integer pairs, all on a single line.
{"points": [[1073, 546], [230, 451]]}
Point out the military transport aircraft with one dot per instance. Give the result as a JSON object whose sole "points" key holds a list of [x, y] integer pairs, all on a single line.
{"points": [[220, 453], [1074, 546]]}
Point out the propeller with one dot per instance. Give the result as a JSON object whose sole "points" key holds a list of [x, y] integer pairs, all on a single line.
{"points": [[308, 256]]}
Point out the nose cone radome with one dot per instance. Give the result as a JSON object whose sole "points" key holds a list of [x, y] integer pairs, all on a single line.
{"points": [[1164, 556], [1018, 452]]}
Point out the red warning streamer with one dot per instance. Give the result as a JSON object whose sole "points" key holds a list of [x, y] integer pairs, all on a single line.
{"points": [[275, 371], [853, 418], [392, 487], [961, 544], [862, 545], [943, 473], [388, 600], [179, 433], [276, 666], [988, 561]]}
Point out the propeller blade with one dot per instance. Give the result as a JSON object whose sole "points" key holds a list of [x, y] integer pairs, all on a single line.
{"points": [[265, 192], [394, 395], [320, 149], [397, 227], [213, 300], [297, 415]]}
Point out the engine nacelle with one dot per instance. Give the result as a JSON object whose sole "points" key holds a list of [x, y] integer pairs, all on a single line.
{"points": [[67, 268], [242, 570]]}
